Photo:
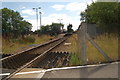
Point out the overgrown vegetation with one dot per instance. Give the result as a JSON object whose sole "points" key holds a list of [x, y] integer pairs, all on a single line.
{"points": [[105, 14], [16, 45], [109, 44]]}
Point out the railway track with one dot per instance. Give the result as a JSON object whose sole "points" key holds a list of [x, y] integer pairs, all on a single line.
{"points": [[52, 60], [38, 57]]}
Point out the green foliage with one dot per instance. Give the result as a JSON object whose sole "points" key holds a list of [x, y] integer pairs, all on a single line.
{"points": [[82, 14], [45, 29], [13, 24], [56, 28], [69, 28], [74, 59], [105, 14], [53, 29]]}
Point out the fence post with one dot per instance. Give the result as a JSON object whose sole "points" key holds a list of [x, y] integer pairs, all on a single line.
{"points": [[82, 42]]}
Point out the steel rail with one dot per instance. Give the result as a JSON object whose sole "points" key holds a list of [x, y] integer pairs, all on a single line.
{"points": [[31, 48], [32, 61]]}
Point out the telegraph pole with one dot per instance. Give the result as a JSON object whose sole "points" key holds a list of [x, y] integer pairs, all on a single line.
{"points": [[60, 23], [40, 19], [37, 15]]}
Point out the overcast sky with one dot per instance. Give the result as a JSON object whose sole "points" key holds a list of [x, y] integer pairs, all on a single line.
{"points": [[51, 11]]}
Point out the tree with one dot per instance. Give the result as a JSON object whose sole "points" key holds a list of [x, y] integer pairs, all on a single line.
{"points": [[82, 14], [45, 29], [56, 28], [24, 28], [53, 29], [69, 28], [105, 14], [13, 24]]}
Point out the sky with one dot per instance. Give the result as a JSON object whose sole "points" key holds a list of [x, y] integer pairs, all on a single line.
{"points": [[67, 12]]}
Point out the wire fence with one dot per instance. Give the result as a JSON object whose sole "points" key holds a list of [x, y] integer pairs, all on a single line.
{"points": [[84, 34]]}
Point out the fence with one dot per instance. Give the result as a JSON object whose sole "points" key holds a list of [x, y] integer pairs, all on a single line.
{"points": [[87, 32]]}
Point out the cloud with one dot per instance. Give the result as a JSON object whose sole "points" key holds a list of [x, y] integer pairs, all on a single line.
{"points": [[76, 6], [28, 11], [66, 19], [90, 1], [58, 7], [23, 7], [33, 22], [25, 16], [73, 6], [53, 18]]}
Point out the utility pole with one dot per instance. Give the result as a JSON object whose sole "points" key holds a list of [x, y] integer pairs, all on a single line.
{"points": [[40, 19], [59, 20], [37, 14]]}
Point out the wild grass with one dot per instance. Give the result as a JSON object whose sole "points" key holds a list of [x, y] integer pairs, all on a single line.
{"points": [[74, 59], [16, 45], [93, 55], [74, 45], [109, 44], [42, 38]]}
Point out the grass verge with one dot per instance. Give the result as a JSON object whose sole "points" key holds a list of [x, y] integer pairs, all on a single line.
{"points": [[16, 45], [109, 45]]}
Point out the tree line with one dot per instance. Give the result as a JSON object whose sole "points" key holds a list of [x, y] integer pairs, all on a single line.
{"points": [[13, 24], [105, 14], [54, 29]]}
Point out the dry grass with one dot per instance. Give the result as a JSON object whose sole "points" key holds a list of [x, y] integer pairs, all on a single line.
{"points": [[108, 44], [93, 55], [73, 47], [16, 46], [75, 56], [42, 39]]}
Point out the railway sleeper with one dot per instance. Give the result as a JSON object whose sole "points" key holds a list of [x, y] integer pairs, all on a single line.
{"points": [[17, 61], [51, 60], [54, 60], [5, 55], [58, 63], [40, 62]]}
